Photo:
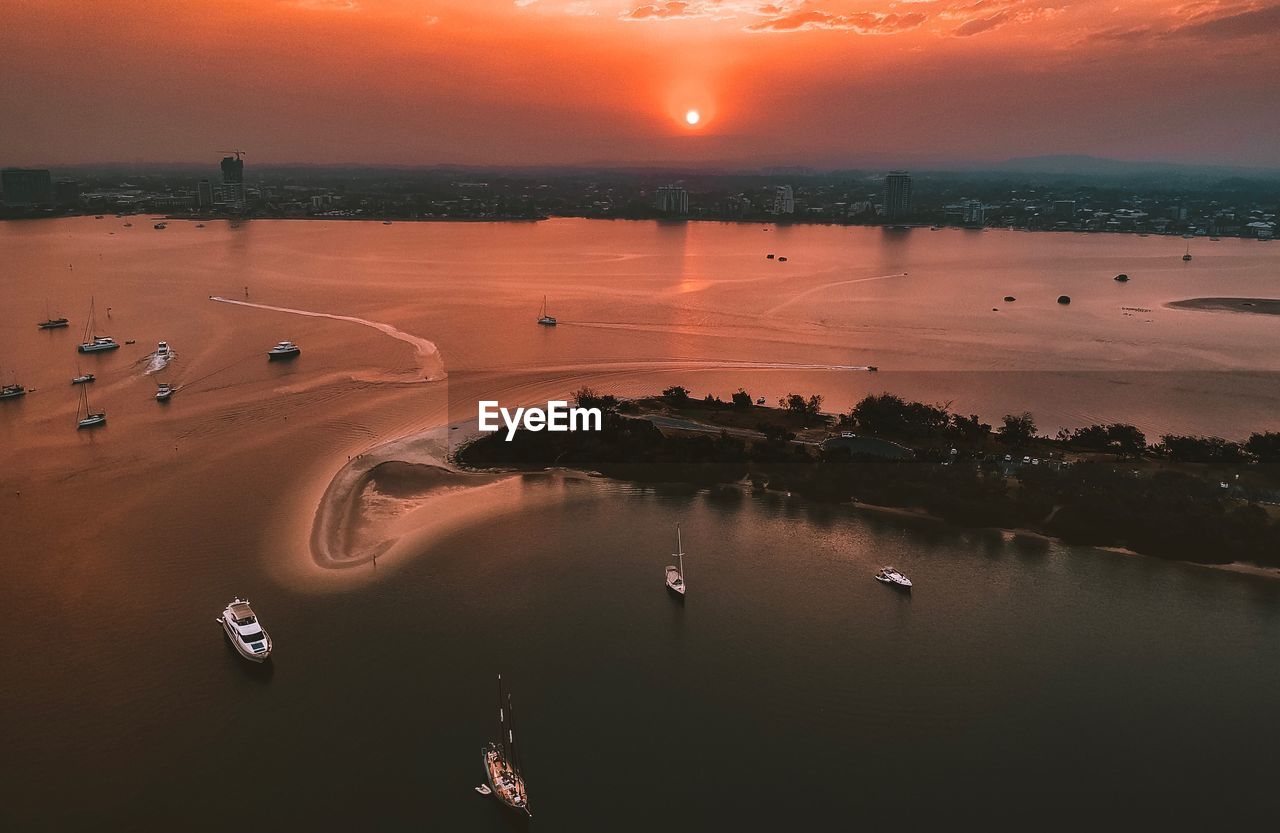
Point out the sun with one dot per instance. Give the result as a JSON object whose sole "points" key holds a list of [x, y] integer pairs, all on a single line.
{"points": [[692, 117]]}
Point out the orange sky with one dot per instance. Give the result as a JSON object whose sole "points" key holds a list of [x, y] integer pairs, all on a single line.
{"points": [[818, 82]]}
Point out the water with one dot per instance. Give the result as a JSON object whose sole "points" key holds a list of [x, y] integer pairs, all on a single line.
{"points": [[1022, 682]]}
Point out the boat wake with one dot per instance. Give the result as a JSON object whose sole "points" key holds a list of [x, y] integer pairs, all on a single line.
{"points": [[157, 362], [824, 287], [428, 355]]}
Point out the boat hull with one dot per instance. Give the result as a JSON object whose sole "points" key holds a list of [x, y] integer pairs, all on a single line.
{"points": [[906, 588], [509, 792], [292, 354], [92, 421], [240, 648], [98, 348], [53, 325]]}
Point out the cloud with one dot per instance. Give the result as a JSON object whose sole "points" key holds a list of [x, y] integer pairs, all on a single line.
{"points": [[326, 5], [661, 11], [986, 15], [864, 23], [1237, 22]]}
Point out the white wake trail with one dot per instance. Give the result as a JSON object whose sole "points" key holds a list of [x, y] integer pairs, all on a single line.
{"points": [[429, 360]]}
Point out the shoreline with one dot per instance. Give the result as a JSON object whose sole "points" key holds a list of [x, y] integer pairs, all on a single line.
{"points": [[1249, 306]]}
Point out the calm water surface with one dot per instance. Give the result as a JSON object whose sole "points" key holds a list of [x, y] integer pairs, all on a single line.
{"points": [[1022, 683]]}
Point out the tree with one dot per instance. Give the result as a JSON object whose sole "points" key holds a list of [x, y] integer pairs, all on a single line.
{"points": [[586, 397], [797, 405], [1188, 449], [1018, 429], [742, 399], [1266, 447], [676, 395]]}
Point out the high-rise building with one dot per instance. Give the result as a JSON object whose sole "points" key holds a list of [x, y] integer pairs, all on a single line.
{"points": [[897, 195], [233, 183], [784, 201], [974, 212], [204, 195], [1064, 209], [66, 193], [26, 188], [672, 199]]}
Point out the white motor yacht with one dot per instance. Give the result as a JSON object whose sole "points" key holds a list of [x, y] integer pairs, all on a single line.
{"points": [[163, 391], [283, 350], [83, 378], [245, 632], [888, 575], [162, 349]]}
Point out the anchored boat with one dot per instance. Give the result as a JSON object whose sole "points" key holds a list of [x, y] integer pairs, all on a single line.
{"points": [[283, 350], [502, 762], [675, 572], [86, 417], [244, 630], [892, 577], [95, 343]]}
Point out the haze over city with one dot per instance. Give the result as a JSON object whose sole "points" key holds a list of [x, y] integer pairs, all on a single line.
{"points": [[824, 83]]}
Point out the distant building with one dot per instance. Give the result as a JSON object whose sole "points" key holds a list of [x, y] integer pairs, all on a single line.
{"points": [[233, 183], [26, 188], [897, 195], [974, 213], [204, 195], [672, 199], [784, 201], [66, 193], [1064, 209]]}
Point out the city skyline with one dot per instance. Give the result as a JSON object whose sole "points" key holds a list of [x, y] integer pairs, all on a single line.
{"points": [[823, 83]]}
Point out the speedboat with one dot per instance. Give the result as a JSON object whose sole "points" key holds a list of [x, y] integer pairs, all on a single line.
{"points": [[83, 378], [53, 323], [159, 226], [12, 391], [162, 349], [164, 391], [890, 576], [283, 350], [245, 632]]}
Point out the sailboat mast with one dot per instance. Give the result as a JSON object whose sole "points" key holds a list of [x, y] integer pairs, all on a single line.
{"points": [[679, 551], [502, 722]]}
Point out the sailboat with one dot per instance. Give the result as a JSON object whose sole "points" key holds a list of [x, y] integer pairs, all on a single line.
{"points": [[1187, 256], [89, 419], [95, 343], [546, 320], [675, 572], [51, 323], [501, 761]]}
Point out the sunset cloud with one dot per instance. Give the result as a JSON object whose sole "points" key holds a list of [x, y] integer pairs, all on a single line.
{"points": [[864, 23]]}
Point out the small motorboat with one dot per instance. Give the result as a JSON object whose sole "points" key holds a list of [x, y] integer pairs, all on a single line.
{"points": [[871, 368], [769, 256], [53, 323], [159, 226], [83, 378], [892, 577], [247, 635], [162, 349], [284, 350], [12, 391], [782, 259], [483, 789], [131, 341], [163, 391]]}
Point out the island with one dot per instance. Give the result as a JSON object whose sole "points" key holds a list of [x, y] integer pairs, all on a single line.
{"points": [[1199, 499]]}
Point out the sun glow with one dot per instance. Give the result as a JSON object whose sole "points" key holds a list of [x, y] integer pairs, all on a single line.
{"points": [[692, 117]]}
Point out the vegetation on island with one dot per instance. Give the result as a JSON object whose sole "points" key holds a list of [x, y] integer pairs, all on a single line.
{"points": [[1203, 499]]}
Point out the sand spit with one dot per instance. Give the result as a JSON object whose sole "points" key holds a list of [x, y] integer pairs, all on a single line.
{"points": [[1257, 306]]}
